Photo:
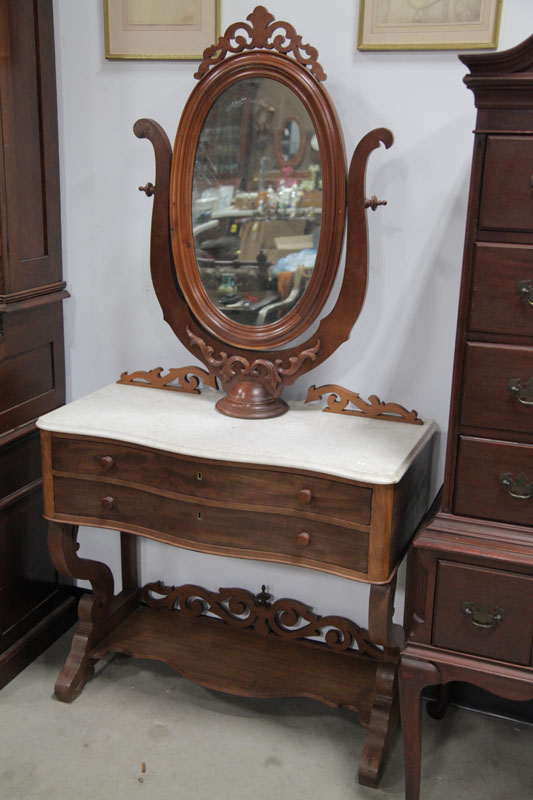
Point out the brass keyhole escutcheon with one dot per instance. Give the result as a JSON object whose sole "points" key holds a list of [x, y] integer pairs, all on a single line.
{"points": [[199, 476], [199, 515]]}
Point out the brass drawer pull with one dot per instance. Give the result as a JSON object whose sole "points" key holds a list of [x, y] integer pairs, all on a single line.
{"points": [[107, 503], [482, 615], [525, 290], [303, 539], [304, 496], [519, 487], [106, 462], [524, 394]]}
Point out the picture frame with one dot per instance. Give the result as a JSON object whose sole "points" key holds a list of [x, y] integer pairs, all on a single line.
{"points": [[160, 29], [428, 24]]}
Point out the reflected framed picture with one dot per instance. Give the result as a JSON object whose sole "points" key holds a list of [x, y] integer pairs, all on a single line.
{"points": [[428, 24], [160, 29]]}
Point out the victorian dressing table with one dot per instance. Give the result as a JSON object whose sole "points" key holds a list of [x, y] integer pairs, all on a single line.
{"points": [[230, 472]]}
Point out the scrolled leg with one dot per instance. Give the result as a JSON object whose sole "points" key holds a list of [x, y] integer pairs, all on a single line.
{"points": [[78, 668]]}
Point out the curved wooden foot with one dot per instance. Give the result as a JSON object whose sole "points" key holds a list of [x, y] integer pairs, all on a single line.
{"points": [[437, 708], [415, 675], [63, 546], [384, 720]]}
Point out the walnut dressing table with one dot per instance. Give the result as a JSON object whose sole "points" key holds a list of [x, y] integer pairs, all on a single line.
{"points": [[322, 491], [238, 218]]}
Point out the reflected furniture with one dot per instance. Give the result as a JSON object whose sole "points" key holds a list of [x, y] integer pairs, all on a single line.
{"points": [[469, 605], [34, 607], [226, 472]]}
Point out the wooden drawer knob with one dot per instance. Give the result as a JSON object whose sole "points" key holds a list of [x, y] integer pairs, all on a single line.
{"points": [[304, 495], [106, 462], [303, 539], [107, 503]]}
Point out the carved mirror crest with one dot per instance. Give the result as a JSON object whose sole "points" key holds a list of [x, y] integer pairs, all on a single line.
{"points": [[249, 216]]}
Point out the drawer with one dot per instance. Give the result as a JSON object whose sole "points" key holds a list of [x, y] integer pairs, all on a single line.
{"points": [[211, 480], [502, 284], [479, 491], [240, 533], [506, 192], [488, 399], [484, 612]]}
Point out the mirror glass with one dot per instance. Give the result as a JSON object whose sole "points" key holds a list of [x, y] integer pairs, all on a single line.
{"points": [[256, 201]]}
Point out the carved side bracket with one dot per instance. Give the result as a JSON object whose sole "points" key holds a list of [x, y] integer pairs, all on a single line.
{"points": [[339, 398], [265, 33], [179, 379], [287, 619]]}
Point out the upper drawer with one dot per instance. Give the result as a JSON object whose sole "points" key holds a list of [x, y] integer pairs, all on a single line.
{"points": [[212, 481], [494, 480], [484, 612], [496, 391], [506, 192], [502, 289]]}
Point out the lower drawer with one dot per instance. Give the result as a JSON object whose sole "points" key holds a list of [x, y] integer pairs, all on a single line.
{"points": [[494, 480], [241, 533], [484, 612]]}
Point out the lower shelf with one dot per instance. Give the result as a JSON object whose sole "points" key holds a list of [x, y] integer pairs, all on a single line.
{"points": [[243, 662]]}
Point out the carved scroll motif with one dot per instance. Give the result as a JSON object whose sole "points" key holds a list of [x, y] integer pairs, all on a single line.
{"points": [[339, 398], [264, 33], [288, 619], [180, 379], [270, 372]]}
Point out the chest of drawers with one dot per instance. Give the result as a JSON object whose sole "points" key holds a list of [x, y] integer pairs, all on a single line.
{"points": [[341, 495], [469, 607]]}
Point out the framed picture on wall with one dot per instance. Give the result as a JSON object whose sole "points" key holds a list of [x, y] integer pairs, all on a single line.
{"points": [[428, 24], [160, 29]]}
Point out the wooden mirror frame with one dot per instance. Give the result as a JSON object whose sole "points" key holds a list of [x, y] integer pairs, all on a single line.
{"points": [[320, 109], [250, 368]]}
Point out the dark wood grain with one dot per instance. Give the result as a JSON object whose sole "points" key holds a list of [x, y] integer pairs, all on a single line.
{"points": [[204, 479], [469, 600], [479, 492], [497, 306], [34, 608], [246, 534]]}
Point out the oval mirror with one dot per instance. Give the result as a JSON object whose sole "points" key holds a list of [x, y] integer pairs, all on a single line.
{"points": [[257, 221]]}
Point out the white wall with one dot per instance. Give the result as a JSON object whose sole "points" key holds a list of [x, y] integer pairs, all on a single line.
{"points": [[401, 348]]}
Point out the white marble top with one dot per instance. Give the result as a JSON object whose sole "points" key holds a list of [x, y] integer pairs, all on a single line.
{"points": [[372, 451]]}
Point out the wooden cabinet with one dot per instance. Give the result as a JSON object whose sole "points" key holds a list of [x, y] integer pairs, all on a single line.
{"points": [[469, 605], [33, 608]]}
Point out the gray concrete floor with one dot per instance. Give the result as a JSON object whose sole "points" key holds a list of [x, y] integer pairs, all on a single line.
{"points": [[200, 744]]}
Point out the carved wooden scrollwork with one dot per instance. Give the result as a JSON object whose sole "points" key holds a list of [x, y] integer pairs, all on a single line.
{"points": [[287, 619], [179, 379], [271, 372], [263, 33], [339, 398]]}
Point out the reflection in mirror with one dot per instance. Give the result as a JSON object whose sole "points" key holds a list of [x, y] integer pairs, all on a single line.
{"points": [[257, 201]]}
